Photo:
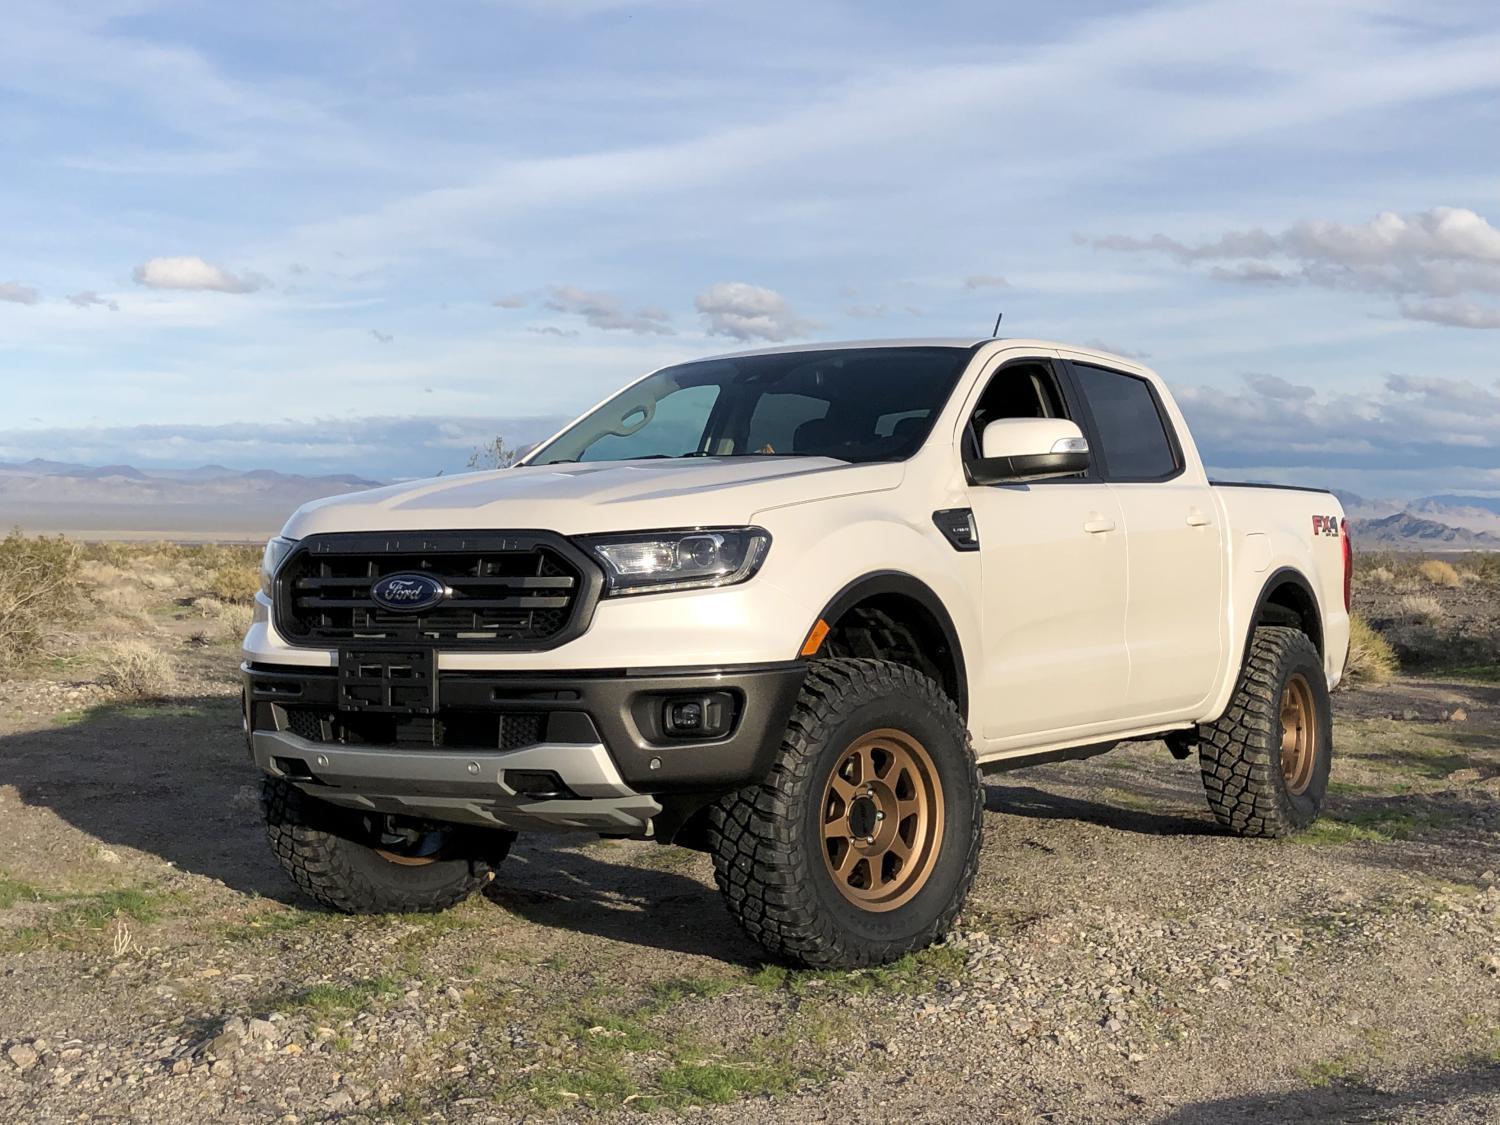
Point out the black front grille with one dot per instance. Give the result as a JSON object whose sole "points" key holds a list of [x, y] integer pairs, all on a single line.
{"points": [[522, 591]]}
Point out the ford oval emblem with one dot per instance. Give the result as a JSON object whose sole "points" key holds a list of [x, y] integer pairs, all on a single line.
{"points": [[408, 593]]}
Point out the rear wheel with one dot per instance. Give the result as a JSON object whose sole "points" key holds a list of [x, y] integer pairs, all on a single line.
{"points": [[1266, 760], [372, 864], [861, 843]]}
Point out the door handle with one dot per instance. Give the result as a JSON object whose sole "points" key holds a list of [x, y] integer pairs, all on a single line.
{"points": [[1196, 518], [1098, 525]]}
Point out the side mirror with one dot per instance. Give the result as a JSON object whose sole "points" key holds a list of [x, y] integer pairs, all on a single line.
{"points": [[1015, 450]]}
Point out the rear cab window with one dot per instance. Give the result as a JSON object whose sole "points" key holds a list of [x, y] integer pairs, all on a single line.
{"points": [[1135, 441]]}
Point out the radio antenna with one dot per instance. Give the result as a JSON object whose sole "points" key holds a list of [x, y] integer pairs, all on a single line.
{"points": [[998, 319]]}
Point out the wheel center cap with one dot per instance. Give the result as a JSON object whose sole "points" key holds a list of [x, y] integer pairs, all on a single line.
{"points": [[862, 817]]}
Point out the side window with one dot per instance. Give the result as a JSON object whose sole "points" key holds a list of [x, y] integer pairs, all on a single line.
{"points": [[1136, 442], [1021, 390], [670, 427]]}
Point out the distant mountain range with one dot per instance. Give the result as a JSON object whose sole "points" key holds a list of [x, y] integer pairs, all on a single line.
{"points": [[213, 501], [210, 501], [1445, 522]]}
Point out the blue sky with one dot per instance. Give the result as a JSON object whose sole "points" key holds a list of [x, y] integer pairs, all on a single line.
{"points": [[361, 236]]}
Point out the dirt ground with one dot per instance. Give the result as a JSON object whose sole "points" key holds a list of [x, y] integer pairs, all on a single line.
{"points": [[1122, 958]]}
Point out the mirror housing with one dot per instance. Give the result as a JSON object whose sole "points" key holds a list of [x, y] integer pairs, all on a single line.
{"points": [[1016, 450]]}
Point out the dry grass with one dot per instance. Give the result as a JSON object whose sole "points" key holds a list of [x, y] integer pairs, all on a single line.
{"points": [[135, 672], [39, 590], [1421, 607], [1371, 658], [1439, 573]]}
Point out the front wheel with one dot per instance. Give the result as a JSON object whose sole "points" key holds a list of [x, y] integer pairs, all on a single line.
{"points": [[367, 864], [862, 842], [1265, 761]]}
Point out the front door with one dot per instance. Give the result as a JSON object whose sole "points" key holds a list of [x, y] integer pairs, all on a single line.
{"points": [[1053, 572]]}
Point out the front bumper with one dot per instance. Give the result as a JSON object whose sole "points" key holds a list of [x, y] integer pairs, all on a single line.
{"points": [[526, 751]]}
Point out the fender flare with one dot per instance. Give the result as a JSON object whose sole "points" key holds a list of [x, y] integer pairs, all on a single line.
{"points": [[1283, 576], [879, 582]]}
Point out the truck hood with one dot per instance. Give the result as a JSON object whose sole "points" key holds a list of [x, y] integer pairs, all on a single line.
{"points": [[601, 497]]}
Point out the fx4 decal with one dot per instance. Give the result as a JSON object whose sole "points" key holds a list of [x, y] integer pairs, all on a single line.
{"points": [[1326, 525]]}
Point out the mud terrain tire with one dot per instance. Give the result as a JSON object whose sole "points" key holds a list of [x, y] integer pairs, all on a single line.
{"points": [[1265, 761], [319, 846], [862, 841]]}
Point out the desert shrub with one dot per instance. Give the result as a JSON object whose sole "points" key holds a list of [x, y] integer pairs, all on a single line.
{"points": [[155, 579], [1371, 658], [1439, 573], [1482, 566], [39, 589], [235, 582], [1421, 607], [1375, 576], [227, 621], [136, 672], [122, 600]]}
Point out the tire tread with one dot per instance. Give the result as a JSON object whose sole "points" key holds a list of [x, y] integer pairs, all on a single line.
{"points": [[757, 853]]}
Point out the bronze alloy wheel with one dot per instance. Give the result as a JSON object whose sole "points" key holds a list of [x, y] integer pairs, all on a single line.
{"points": [[1299, 734], [882, 818], [407, 847], [406, 860]]}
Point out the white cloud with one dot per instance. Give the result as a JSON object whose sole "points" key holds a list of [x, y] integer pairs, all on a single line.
{"points": [[1448, 310], [1114, 349], [1440, 254], [17, 293], [1274, 386], [512, 301], [87, 298], [748, 312], [193, 273], [985, 281], [1260, 273], [607, 312]]}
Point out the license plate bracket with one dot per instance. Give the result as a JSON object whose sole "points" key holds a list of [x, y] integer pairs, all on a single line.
{"points": [[388, 681]]}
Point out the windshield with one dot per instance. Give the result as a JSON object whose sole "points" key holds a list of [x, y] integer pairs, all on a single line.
{"points": [[854, 404]]}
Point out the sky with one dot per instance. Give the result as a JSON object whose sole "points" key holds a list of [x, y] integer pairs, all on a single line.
{"points": [[366, 237]]}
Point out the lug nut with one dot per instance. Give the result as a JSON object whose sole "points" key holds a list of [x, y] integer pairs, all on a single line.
{"points": [[869, 839], [880, 816]]}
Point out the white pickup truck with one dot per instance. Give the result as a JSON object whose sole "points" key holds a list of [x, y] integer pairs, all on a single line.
{"points": [[783, 606]]}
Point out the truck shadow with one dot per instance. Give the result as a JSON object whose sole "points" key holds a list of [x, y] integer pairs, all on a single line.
{"points": [[568, 887], [172, 780], [1042, 804], [1356, 1101]]}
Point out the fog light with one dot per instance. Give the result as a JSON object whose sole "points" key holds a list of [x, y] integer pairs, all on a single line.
{"points": [[709, 715]]}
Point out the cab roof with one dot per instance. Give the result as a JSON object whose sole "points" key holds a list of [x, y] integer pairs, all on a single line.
{"points": [[932, 342]]}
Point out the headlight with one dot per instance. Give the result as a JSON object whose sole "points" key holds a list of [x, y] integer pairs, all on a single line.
{"points": [[276, 551], [651, 561]]}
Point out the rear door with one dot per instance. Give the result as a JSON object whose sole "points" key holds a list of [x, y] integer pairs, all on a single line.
{"points": [[1174, 616], [1052, 558]]}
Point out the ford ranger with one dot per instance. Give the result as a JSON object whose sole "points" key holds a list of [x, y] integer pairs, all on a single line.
{"points": [[784, 606]]}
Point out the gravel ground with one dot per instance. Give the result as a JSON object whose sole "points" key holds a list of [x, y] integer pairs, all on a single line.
{"points": [[1121, 960]]}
